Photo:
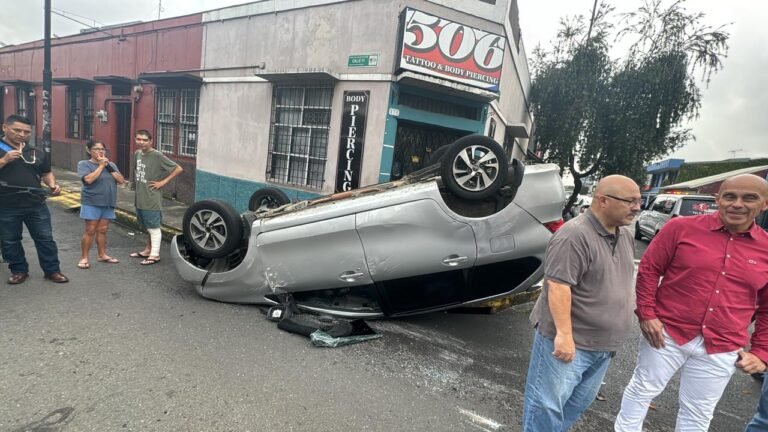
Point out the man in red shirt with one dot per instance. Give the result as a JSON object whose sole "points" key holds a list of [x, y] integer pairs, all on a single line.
{"points": [[698, 286]]}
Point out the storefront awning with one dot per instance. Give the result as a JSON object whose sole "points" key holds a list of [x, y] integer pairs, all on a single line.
{"points": [[518, 130], [19, 83], [75, 82], [298, 76], [445, 87], [172, 79], [115, 80]]}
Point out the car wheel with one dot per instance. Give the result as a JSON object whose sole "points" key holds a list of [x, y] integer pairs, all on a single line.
{"points": [[267, 199], [212, 228], [638, 234], [474, 167]]}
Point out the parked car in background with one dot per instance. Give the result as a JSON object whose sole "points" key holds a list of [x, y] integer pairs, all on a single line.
{"points": [[582, 203], [668, 206], [469, 228], [762, 220]]}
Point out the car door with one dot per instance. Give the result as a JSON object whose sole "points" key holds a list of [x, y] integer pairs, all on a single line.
{"points": [[417, 255], [650, 217], [318, 255], [666, 211]]}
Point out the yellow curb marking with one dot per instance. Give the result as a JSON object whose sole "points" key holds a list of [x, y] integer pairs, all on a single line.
{"points": [[68, 200]]}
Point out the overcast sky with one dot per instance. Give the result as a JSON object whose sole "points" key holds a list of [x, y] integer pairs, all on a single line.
{"points": [[733, 116]]}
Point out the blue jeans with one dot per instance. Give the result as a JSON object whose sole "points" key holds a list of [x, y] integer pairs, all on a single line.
{"points": [[38, 222], [557, 393], [759, 422]]}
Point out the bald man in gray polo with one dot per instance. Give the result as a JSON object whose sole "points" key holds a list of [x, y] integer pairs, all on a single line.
{"points": [[585, 310]]}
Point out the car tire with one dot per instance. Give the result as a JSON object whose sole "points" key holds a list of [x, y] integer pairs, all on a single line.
{"points": [[267, 198], [466, 174], [638, 234], [515, 173], [212, 228], [437, 154]]}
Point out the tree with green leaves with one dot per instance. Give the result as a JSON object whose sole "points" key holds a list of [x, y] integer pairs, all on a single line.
{"points": [[598, 116]]}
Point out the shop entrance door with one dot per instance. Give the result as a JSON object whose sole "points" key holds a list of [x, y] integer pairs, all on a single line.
{"points": [[123, 138], [413, 144]]}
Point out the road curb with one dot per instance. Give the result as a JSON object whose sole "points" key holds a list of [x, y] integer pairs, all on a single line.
{"points": [[128, 219], [124, 217]]}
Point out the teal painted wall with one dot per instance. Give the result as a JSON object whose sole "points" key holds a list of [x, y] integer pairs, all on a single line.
{"points": [[425, 117], [237, 191]]}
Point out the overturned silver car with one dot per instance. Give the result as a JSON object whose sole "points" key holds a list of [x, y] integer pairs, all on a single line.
{"points": [[468, 228]]}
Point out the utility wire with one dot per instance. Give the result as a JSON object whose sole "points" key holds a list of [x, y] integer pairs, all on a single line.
{"points": [[79, 16], [82, 23]]}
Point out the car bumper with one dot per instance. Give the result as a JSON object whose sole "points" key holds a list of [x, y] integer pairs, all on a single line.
{"points": [[241, 284]]}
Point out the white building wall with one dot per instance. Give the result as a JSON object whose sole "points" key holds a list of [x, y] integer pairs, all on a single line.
{"points": [[491, 12], [318, 37], [232, 129]]}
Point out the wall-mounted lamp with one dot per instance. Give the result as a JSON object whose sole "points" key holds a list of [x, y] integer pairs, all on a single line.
{"points": [[31, 93], [138, 88]]}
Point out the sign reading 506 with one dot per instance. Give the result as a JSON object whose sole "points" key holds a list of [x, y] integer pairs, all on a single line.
{"points": [[448, 49]]}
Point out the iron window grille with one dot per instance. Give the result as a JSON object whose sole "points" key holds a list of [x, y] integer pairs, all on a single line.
{"points": [[22, 95], [177, 120], [298, 142], [79, 113]]}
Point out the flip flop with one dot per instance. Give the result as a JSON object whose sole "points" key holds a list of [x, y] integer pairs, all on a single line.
{"points": [[109, 260], [83, 265], [139, 255], [150, 261]]}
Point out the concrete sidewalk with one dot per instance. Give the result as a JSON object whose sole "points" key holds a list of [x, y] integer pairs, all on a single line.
{"points": [[173, 211]]}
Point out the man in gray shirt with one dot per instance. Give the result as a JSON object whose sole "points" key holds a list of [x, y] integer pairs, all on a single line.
{"points": [[585, 309]]}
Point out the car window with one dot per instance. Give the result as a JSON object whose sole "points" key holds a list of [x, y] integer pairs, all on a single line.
{"points": [[691, 207], [669, 204], [658, 205]]}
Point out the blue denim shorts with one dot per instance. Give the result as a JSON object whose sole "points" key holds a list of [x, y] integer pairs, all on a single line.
{"points": [[90, 212], [149, 218]]}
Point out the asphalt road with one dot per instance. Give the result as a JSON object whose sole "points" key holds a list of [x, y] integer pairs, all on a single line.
{"points": [[131, 348]]}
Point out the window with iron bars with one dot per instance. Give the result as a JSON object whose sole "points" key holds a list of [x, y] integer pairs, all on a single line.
{"points": [[177, 117], [22, 95], [79, 113], [298, 141]]}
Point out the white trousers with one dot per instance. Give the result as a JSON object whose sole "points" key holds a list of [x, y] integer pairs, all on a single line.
{"points": [[702, 381]]}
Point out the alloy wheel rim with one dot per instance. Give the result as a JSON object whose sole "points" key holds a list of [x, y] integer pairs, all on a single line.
{"points": [[475, 168], [208, 229]]}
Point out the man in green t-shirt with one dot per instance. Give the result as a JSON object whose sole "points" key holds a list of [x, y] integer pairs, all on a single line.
{"points": [[153, 171]]}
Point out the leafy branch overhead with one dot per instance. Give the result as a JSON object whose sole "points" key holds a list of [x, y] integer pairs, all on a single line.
{"points": [[600, 115]]}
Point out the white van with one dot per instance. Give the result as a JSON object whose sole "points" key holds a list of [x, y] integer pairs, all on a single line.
{"points": [[667, 206]]}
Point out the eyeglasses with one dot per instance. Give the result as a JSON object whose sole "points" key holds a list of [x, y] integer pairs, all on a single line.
{"points": [[34, 156], [631, 202]]}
